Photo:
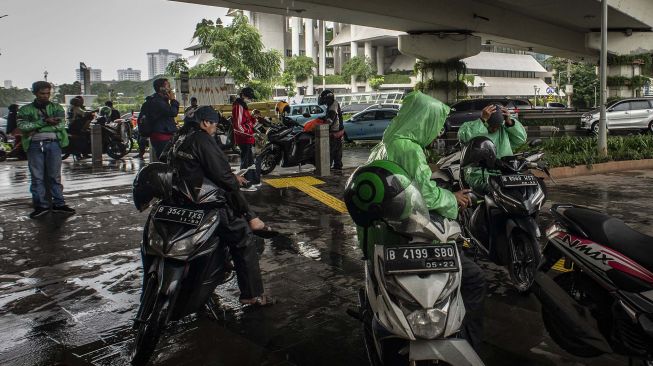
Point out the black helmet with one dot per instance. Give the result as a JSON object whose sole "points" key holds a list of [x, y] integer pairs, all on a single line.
{"points": [[496, 118], [326, 97], [153, 181], [479, 152], [248, 92]]}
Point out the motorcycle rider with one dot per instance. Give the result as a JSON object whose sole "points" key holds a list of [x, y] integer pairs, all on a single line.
{"points": [[336, 129], [195, 155], [243, 125], [496, 124], [419, 121]]}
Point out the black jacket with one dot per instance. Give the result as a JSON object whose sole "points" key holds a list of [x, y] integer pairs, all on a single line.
{"points": [[195, 155], [11, 122], [161, 114]]}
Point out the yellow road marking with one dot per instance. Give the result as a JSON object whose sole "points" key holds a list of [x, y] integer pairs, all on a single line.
{"points": [[307, 184], [560, 266]]}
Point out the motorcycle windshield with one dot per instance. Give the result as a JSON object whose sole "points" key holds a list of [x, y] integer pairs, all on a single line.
{"points": [[407, 214]]}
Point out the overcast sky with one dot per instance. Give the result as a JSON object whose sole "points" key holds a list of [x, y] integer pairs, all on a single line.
{"points": [[55, 35]]}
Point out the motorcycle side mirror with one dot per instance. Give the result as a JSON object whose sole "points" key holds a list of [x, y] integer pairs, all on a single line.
{"points": [[535, 142]]}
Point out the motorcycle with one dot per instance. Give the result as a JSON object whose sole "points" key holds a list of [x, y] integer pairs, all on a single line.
{"points": [[116, 139], [225, 136], [502, 223], [411, 308], [603, 302], [183, 262], [287, 145]]}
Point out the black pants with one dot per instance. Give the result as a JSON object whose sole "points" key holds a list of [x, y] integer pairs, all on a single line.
{"points": [[335, 146], [246, 161], [473, 289], [235, 232]]}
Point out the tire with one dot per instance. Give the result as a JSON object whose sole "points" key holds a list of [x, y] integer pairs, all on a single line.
{"points": [[525, 258], [558, 330], [65, 156], [650, 127], [268, 160], [347, 139], [117, 150], [155, 311]]}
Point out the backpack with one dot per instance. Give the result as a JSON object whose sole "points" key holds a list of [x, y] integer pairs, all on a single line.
{"points": [[144, 127]]}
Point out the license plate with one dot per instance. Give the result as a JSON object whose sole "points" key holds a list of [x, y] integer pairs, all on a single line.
{"points": [[427, 258], [518, 180], [179, 215]]}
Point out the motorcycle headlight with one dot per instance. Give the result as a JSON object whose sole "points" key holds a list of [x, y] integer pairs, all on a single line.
{"points": [[429, 323], [185, 246], [154, 240]]}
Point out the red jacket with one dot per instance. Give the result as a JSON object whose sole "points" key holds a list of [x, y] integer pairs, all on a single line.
{"points": [[243, 123]]}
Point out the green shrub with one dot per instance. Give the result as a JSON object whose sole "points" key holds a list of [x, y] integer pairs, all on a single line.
{"points": [[397, 79], [559, 122], [330, 79]]}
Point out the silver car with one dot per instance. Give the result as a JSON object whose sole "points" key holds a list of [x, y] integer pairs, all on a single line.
{"points": [[626, 114]]}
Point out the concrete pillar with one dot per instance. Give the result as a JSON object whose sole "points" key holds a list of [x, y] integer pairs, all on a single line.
{"points": [[322, 47], [368, 56], [380, 60], [295, 24], [354, 53], [308, 46], [322, 151], [96, 145]]}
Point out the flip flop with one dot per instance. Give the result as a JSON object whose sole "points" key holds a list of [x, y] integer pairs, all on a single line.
{"points": [[266, 233]]}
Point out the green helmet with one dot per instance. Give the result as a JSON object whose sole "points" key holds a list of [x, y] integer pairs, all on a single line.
{"points": [[105, 111], [383, 191]]}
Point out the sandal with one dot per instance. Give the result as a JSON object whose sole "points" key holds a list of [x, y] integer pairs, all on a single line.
{"points": [[259, 301], [266, 233]]}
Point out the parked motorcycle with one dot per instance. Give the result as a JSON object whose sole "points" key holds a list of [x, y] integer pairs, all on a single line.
{"points": [[411, 308], [502, 222], [116, 139], [224, 136], [604, 302], [287, 145], [183, 262]]}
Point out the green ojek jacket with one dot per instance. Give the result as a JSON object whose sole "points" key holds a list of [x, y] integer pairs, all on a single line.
{"points": [[31, 121], [505, 139], [418, 123]]}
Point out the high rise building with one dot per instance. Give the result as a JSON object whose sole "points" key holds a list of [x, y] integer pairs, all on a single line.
{"points": [[8, 84], [96, 75], [129, 74], [157, 62]]}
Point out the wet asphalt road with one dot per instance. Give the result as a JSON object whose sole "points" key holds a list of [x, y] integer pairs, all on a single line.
{"points": [[69, 287]]}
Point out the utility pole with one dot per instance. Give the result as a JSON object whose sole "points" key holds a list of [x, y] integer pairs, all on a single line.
{"points": [[603, 120], [568, 82]]}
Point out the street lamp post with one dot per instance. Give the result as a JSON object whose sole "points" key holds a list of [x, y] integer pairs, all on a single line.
{"points": [[536, 90], [603, 138]]}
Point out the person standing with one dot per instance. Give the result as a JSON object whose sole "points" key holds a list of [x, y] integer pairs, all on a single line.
{"points": [[243, 125], [12, 129], [115, 114], [336, 127], [44, 134], [160, 110]]}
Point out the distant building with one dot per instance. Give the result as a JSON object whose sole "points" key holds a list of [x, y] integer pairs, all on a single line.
{"points": [[96, 75], [8, 84], [129, 74], [200, 55], [157, 62]]}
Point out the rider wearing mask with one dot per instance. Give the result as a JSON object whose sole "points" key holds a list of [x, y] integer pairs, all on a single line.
{"points": [[419, 121], [195, 155], [496, 124]]}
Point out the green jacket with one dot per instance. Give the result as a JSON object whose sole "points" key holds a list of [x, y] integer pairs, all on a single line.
{"points": [[505, 139], [31, 121], [418, 123]]}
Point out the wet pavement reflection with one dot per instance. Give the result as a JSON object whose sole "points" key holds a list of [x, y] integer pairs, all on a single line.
{"points": [[69, 287]]}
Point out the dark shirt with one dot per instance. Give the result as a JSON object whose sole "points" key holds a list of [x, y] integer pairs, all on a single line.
{"points": [[161, 114], [12, 121], [115, 114]]}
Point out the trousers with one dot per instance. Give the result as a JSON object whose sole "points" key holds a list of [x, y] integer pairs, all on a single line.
{"points": [[44, 161]]}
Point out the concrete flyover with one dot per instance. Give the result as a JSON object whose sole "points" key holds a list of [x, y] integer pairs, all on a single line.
{"points": [[557, 27]]}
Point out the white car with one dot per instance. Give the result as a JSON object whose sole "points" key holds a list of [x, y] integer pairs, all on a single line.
{"points": [[626, 114]]}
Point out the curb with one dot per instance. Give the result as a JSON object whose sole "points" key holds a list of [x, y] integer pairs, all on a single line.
{"points": [[609, 167]]}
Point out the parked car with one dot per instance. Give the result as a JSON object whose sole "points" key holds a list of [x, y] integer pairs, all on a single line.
{"points": [[302, 113], [555, 105], [383, 105], [626, 114], [369, 125], [470, 110]]}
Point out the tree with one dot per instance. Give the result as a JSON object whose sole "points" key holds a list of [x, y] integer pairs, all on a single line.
{"points": [[68, 89], [177, 66], [376, 81], [262, 89], [208, 69], [300, 67], [583, 78], [288, 82], [238, 50], [12, 95], [359, 66]]}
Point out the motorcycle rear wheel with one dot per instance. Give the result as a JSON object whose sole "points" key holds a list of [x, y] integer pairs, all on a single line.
{"points": [[268, 161], [155, 311], [524, 261], [117, 150]]}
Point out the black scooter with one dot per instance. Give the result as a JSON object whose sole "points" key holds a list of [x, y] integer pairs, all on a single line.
{"points": [[287, 145], [116, 139]]}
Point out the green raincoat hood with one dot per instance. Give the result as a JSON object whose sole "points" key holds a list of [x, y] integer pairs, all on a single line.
{"points": [[420, 119]]}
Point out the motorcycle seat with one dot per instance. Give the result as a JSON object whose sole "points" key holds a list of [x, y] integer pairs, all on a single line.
{"points": [[614, 234]]}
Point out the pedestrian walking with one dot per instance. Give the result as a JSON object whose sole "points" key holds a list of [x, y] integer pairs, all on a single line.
{"points": [[243, 125], [158, 113], [44, 134]]}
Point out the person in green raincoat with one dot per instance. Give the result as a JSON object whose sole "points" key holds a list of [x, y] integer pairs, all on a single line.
{"points": [[497, 125], [419, 121]]}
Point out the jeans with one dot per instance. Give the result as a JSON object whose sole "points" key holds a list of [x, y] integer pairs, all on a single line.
{"points": [[247, 160], [44, 161], [335, 146]]}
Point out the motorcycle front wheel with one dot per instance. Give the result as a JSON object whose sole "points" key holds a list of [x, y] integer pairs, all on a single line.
{"points": [[151, 321], [268, 160], [117, 150], [525, 258]]}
